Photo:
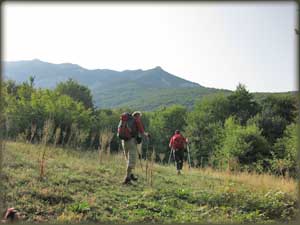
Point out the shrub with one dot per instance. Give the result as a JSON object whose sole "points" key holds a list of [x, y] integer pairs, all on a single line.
{"points": [[244, 143]]}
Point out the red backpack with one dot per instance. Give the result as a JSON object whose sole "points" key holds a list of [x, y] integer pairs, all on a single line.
{"points": [[127, 126], [178, 141]]}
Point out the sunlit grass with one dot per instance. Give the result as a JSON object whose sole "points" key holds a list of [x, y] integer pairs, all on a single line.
{"points": [[78, 186]]}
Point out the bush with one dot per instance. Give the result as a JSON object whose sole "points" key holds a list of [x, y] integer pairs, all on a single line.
{"points": [[284, 158], [244, 143]]}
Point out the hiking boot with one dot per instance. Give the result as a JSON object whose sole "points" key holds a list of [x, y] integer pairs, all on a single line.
{"points": [[132, 177], [178, 172], [127, 181]]}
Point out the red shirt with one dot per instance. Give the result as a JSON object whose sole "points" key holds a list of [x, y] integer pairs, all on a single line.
{"points": [[177, 141], [139, 124]]}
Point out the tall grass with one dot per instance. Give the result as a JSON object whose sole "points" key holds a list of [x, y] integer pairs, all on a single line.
{"points": [[262, 181], [77, 177], [153, 157], [47, 135], [105, 138]]}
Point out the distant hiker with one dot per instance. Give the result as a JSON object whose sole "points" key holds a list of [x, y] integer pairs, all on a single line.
{"points": [[130, 131], [178, 145]]}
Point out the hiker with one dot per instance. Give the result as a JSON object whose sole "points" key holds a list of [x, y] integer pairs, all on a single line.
{"points": [[178, 145], [131, 131], [10, 215]]}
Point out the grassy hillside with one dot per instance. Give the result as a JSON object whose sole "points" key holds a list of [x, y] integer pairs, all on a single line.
{"points": [[148, 99], [78, 187]]}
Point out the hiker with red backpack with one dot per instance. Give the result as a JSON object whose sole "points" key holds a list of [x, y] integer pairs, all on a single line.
{"points": [[130, 131], [178, 144]]}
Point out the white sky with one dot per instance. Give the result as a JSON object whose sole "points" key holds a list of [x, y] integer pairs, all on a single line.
{"points": [[216, 45]]}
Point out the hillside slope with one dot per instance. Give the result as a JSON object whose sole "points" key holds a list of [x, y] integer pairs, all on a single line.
{"points": [[78, 187], [141, 89]]}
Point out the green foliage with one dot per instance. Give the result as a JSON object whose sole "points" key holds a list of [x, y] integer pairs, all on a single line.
{"points": [[76, 91], [215, 107], [257, 131], [33, 107], [242, 104], [11, 87], [244, 143], [80, 207], [205, 137], [281, 105], [285, 152], [277, 112], [272, 126], [205, 127], [150, 99], [163, 123]]}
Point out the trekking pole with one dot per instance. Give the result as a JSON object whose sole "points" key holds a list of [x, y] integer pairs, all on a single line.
{"points": [[175, 163], [147, 149], [170, 156], [189, 158]]}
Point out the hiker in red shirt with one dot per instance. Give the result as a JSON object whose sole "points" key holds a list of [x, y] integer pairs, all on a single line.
{"points": [[130, 145], [178, 144]]}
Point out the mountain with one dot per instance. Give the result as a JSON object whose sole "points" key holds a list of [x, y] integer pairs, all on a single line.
{"points": [[143, 89]]}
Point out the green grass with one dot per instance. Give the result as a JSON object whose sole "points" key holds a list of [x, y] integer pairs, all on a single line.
{"points": [[78, 187]]}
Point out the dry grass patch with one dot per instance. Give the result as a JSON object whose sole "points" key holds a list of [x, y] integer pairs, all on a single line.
{"points": [[261, 181]]}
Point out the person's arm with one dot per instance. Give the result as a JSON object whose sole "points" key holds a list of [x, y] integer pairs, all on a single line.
{"points": [[185, 140], [140, 126]]}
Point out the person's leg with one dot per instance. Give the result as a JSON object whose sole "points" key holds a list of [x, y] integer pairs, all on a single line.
{"points": [[177, 159], [126, 148], [132, 155], [181, 157], [133, 158]]}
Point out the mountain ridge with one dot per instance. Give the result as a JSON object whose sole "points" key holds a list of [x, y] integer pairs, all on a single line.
{"points": [[32, 66], [141, 89]]}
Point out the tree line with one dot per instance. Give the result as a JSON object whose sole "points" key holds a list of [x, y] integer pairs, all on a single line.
{"points": [[233, 131]]}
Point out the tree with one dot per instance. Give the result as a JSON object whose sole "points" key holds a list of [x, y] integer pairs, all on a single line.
{"points": [[31, 80], [244, 143], [205, 137], [205, 126], [242, 104], [76, 91], [281, 105], [11, 87], [277, 112], [285, 152], [215, 107], [163, 123]]}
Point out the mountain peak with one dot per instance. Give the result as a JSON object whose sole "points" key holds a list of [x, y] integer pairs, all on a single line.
{"points": [[157, 68]]}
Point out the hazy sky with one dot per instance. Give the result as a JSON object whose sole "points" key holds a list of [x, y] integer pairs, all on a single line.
{"points": [[214, 44]]}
